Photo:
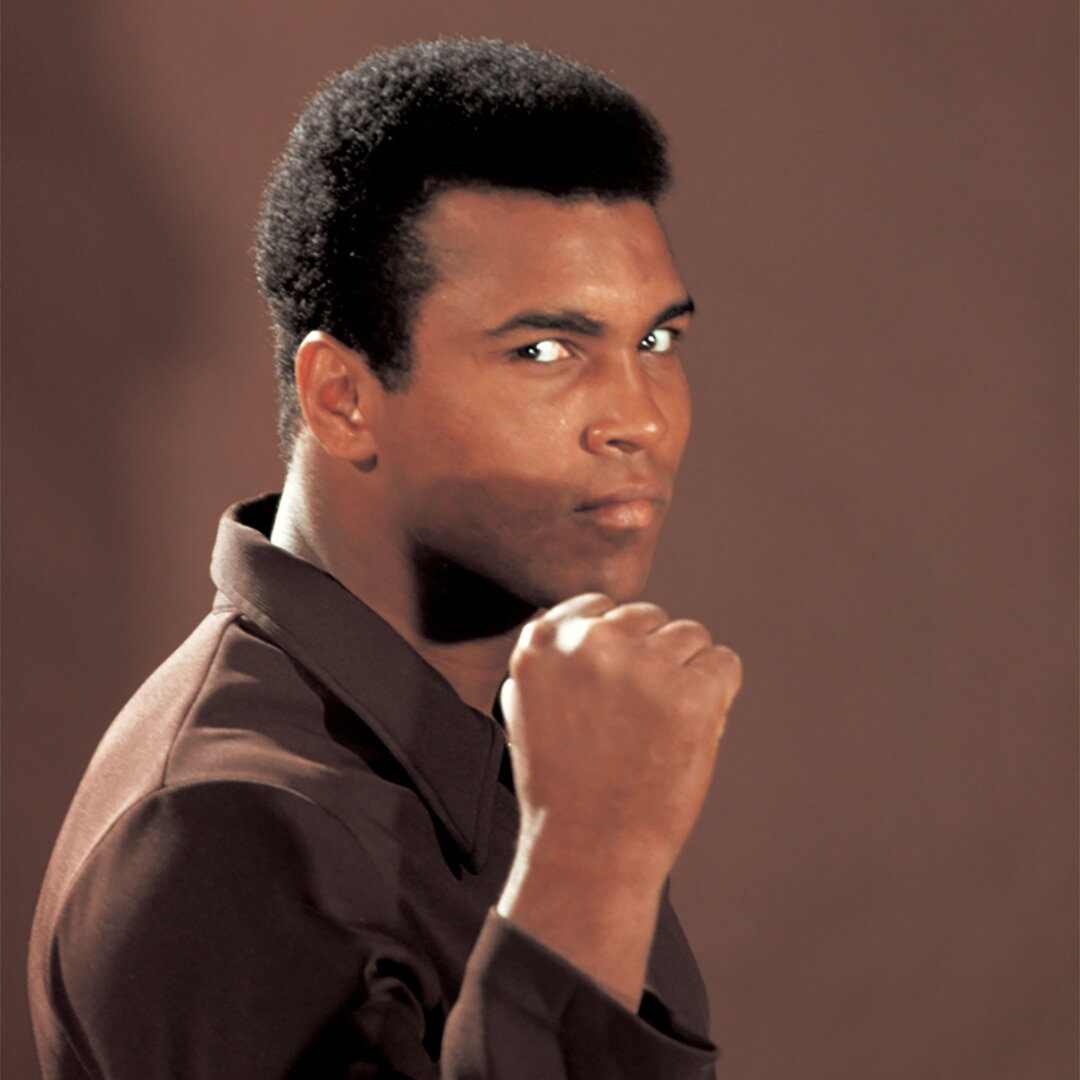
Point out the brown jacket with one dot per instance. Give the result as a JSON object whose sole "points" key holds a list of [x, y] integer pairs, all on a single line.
{"points": [[282, 863]]}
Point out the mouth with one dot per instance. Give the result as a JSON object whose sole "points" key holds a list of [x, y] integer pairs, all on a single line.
{"points": [[625, 510]]}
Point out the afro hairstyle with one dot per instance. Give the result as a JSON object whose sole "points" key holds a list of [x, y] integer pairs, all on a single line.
{"points": [[337, 243]]}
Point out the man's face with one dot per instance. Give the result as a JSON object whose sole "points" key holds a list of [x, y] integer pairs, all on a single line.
{"points": [[538, 439]]}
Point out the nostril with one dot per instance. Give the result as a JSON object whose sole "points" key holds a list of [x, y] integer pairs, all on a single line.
{"points": [[613, 436]]}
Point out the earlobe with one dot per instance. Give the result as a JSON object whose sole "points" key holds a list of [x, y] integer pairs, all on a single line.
{"points": [[337, 393]]}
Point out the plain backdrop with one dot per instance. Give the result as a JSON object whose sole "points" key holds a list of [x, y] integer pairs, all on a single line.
{"points": [[875, 210]]}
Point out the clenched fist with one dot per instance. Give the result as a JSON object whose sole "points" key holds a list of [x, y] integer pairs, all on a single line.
{"points": [[614, 714]]}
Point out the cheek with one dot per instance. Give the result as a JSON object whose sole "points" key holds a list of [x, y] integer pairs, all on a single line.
{"points": [[674, 401], [484, 466], [492, 437], [684, 429]]}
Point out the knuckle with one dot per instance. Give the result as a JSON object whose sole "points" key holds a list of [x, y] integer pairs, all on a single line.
{"points": [[729, 672], [596, 598], [691, 629], [730, 661], [538, 634], [584, 604], [547, 629], [645, 607], [534, 641], [573, 635], [601, 645], [522, 660], [637, 611]]}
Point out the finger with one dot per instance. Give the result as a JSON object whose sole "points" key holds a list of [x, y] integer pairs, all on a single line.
{"points": [[681, 639], [508, 702], [564, 625], [634, 619], [585, 605], [722, 663]]}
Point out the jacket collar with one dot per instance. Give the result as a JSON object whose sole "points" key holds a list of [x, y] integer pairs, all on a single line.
{"points": [[451, 752]]}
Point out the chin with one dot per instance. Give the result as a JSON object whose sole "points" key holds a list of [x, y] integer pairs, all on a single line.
{"points": [[621, 583]]}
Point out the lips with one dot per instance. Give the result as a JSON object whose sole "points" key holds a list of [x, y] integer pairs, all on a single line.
{"points": [[653, 493], [627, 508]]}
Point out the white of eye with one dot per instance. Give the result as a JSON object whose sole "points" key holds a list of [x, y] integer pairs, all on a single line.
{"points": [[543, 352], [659, 340]]}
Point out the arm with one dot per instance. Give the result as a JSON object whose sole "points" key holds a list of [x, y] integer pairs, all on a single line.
{"points": [[238, 929], [233, 929], [614, 715]]}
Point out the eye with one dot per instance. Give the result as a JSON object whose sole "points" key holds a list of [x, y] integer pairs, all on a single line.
{"points": [[661, 340], [543, 352]]}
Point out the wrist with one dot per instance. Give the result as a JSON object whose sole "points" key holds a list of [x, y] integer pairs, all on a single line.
{"points": [[603, 858], [593, 903]]}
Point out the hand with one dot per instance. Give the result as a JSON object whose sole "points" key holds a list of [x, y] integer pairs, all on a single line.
{"points": [[614, 714]]}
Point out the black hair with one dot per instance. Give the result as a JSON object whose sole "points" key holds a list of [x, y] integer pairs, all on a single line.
{"points": [[337, 244]]}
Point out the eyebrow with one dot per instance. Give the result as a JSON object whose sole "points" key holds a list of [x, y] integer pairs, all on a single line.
{"points": [[683, 307], [576, 322]]}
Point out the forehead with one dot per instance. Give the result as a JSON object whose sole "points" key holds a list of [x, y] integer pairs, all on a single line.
{"points": [[497, 251]]}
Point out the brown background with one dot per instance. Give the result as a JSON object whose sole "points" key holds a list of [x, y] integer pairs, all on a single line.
{"points": [[875, 212]]}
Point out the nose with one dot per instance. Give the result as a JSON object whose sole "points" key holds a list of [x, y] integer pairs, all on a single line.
{"points": [[628, 416]]}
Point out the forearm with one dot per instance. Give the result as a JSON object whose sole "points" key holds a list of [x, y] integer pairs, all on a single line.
{"points": [[593, 905]]}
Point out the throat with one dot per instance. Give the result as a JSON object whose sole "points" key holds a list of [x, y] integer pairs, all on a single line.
{"points": [[467, 625], [460, 622], [456, 605]]}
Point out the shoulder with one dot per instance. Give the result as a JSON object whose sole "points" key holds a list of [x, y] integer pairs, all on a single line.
{"points": [[221, 763], [221, 921], [228, 707], [225, 848]]}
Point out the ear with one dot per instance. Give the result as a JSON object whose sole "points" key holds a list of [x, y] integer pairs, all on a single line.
{"points": [[338, 394]]}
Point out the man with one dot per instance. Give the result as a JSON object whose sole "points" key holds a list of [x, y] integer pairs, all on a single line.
{"points": [[330, 837]]}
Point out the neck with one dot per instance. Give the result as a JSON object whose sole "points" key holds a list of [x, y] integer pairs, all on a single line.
{"points": [[463, 625]]}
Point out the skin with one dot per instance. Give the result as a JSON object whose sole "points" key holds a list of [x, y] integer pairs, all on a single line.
{"points": [[484, 461], [527, 468]]}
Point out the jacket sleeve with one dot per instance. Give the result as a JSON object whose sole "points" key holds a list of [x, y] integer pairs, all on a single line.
{"points": [[232, 929], [524, 1012]]}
